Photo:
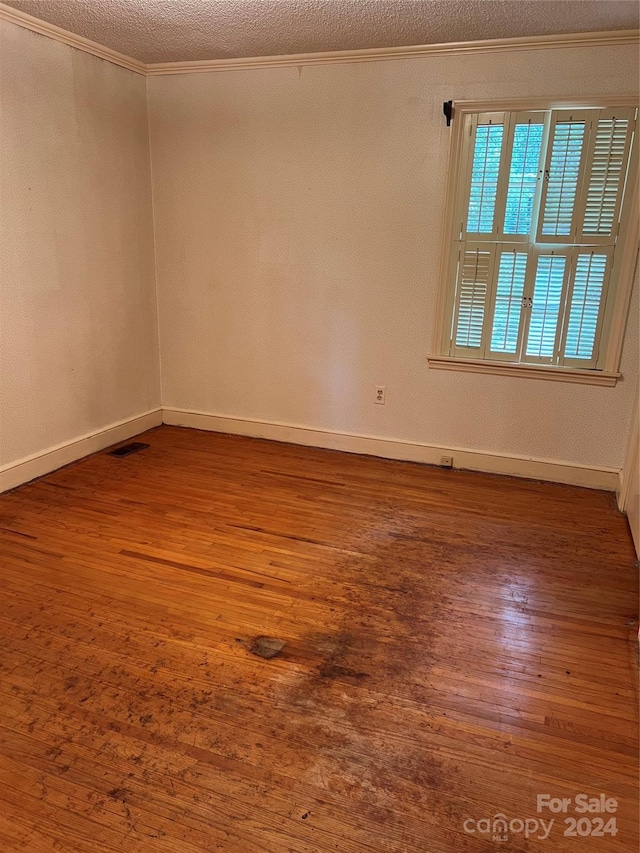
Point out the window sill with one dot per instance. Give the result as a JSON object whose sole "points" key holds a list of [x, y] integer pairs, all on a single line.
{"points": [[531, 371]]}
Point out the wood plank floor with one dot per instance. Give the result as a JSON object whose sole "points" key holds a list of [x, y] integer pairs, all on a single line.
{"points": [[456, 644]]}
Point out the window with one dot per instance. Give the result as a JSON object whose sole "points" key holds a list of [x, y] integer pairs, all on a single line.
{"points": [[540, 209]]}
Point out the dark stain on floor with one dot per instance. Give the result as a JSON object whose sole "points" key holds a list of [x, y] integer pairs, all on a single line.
{"points": [[266, 647]]}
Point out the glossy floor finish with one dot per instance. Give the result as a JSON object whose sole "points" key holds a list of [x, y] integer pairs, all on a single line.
{"points": [[456, 644]]}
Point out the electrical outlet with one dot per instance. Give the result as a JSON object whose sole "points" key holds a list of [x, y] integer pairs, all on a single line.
{"points": [[381, 395], [446, 461]]}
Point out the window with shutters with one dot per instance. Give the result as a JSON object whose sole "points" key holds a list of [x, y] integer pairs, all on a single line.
{"points": [[539, 215]]}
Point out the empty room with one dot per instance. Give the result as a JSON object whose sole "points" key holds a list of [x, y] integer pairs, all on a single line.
{"points": [[319, 426]]}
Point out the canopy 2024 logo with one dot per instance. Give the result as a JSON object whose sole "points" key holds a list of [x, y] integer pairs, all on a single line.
{"points": [[597, 825]]}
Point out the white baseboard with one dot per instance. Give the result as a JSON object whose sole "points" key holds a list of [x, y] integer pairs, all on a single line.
{"points": [[49, 460], [553, 470]]}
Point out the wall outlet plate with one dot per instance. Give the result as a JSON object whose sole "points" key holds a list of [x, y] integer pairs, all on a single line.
{"points": [[446, 461], [380, 395]]}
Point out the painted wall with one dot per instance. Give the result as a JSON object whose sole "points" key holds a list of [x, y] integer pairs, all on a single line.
{"points": [[629, 499], [78, 325], [299, 215]]}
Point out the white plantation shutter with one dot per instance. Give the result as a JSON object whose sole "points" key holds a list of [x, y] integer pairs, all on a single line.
{"points": [[561, 175], [507, 310], [537, 218], [606, 173], [485, 168], [474, 276], [548, 292], [523, 173], [585, 305]]}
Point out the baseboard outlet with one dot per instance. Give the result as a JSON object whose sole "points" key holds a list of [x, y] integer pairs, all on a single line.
{"points": [[552, 470], [50, 460]]}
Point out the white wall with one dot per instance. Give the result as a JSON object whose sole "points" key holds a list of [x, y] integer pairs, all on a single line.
{"points": [[298, 225], [78, 326], [299, 216], [629, 497]]}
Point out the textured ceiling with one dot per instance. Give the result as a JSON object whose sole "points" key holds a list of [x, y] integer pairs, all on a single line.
{"points": [[177, 30]]}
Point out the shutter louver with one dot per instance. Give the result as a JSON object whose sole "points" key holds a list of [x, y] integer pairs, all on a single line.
{"points": [[473, 284], [484, 178], [606, 178], [545, 310], [562, 178], [508, 302], [586, 300], [523, 177]]}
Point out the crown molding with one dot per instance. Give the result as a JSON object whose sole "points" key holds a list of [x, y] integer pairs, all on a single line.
{"points": [[599, 39], [617, 37], [28, 22]]}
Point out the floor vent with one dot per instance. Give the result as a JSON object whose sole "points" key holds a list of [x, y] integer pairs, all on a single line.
{"points": [[127, 449]]}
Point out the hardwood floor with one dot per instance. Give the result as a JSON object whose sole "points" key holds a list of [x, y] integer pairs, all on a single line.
{"points": [[456, 644]]}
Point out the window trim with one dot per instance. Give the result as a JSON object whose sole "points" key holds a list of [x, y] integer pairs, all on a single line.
{"points": [[616, 309], [531, 371]]}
